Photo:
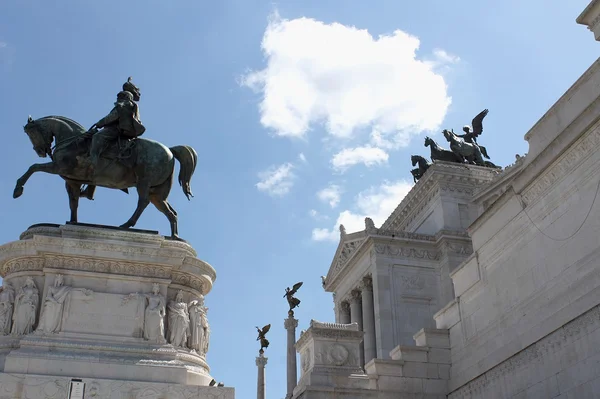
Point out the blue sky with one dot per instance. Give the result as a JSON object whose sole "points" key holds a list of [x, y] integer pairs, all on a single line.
{"points": [[314, 127]]}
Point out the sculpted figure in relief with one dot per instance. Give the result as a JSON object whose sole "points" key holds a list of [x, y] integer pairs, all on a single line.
{"points": [[154, 314], [7, 298], [26, 304], [179, 321], [51, 317], [200, 330]]}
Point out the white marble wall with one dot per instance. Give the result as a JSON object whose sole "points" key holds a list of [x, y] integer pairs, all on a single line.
{"points": [[520, 315]]}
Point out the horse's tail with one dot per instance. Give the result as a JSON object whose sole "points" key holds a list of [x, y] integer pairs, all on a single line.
{"points": [[188, 159]]}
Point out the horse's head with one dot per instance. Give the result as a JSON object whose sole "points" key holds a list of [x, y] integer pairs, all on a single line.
{"points": [[414, 159], [39, 137], [428, 142], [447, 134]]}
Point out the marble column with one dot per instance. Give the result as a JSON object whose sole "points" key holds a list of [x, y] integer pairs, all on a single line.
{"points": [[261, 362], [345, 312], [356, 317], [290, 325], [368, 316]]}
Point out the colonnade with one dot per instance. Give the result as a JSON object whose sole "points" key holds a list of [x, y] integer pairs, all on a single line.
{"points": [[359, 308]]}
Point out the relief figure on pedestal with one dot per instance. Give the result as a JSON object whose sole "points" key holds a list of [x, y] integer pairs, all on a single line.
{"points": [[7, 298], [26, 304], [179, 321], [54, 304], [154, 314], [200, 330]]}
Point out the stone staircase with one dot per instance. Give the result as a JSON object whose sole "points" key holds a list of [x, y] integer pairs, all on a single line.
{"points": [[415, 371]]}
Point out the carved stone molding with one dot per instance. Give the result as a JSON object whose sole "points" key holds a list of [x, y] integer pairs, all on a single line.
{"points": [[570, 160], [405, 252], [98, 265], [534, 356]]}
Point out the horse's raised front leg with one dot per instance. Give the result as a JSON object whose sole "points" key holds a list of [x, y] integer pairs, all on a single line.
{"points": [[143, 189], [49, 167], [74, 192]]}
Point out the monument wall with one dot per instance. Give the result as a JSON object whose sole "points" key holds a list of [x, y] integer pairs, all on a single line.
{"points": [[525, 319]]}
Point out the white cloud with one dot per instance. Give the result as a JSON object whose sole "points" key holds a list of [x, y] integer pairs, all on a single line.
{"points": [[316, 215], [276, 180], [302, 157], [348, 80], [376, 202], [331, 195], [351, 156]]}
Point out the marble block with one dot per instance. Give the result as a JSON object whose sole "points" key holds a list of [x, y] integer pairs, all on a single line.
{"points": [[329, 354], [104, 303]]}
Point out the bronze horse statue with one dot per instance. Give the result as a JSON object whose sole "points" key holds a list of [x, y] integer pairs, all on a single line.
{"points": [[147, 165], [440, 154], [418, 172]]}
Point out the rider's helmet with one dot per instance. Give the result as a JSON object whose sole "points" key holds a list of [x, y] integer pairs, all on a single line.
{"points": [[467, 129], [133, 89], [124, 95]]}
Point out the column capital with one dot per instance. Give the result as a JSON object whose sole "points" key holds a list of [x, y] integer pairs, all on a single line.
{"points": [[290, 323], [355, 295], [345, 306], [366, 284], [261, 361]]}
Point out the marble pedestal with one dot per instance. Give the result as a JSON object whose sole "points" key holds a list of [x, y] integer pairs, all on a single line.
{"points": [[102, 329]]}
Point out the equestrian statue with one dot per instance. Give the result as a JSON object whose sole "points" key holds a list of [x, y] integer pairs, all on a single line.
{"points": [[110, 154]]}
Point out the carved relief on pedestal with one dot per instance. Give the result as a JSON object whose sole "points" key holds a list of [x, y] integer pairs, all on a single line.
{"points": [[305, 360], [337, 355], [179, 321], [7, 299], [412, 282], [26, 304], [153, 325], [54, 305], [200, 330]]}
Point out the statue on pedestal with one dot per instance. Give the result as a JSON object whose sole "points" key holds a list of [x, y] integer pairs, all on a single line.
{"points": [[292, 301], [7, 299], [26, 304], [179, 321], [200, 330], [264, 342], [54, 305], [119, 159], [154, 314]]}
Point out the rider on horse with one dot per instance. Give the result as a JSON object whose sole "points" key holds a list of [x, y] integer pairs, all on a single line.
{"points": [[122, 121]]}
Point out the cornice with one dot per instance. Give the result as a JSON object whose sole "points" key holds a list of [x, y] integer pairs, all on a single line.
{"points": [[441, 176], [567, 162]]}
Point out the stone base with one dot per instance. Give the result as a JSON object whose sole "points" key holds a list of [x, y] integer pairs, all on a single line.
{"points": [[20, 386], [71, 355]]}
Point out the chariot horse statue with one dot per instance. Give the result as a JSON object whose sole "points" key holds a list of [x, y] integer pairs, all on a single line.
{"points": [[142, 163]]}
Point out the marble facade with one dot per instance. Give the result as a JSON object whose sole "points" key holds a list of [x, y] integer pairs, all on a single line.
{"points": [[120, 311], [480, 284]]}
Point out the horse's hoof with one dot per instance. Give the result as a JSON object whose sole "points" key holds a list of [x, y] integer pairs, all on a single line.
{"points": [[18, 192], [175, 237], [125, 226]]}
